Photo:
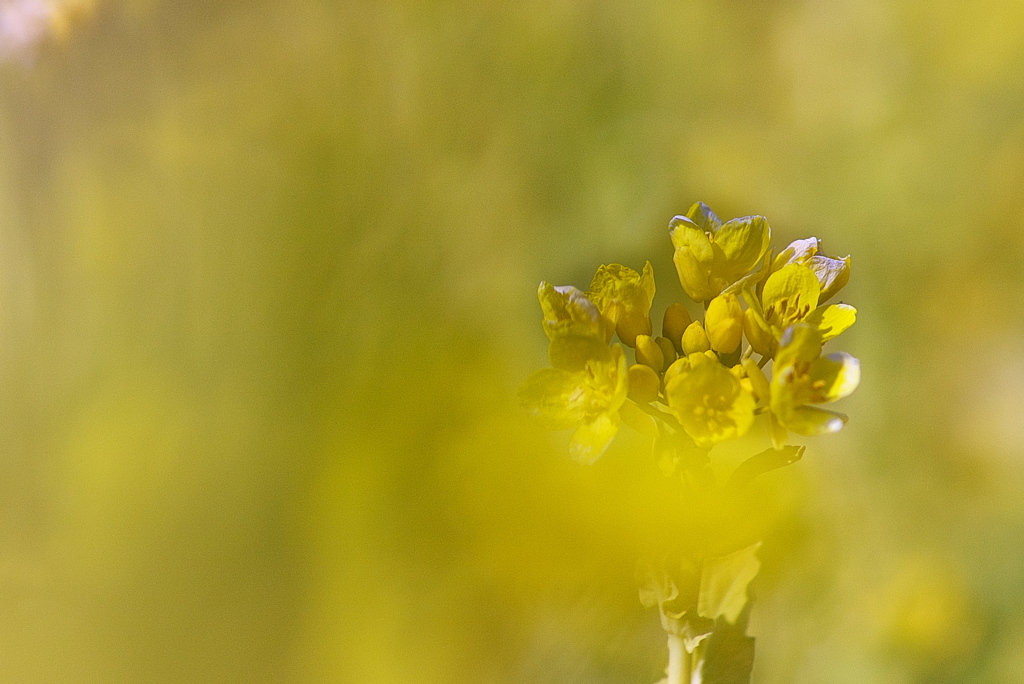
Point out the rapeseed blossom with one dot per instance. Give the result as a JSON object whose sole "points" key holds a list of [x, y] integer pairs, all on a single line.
{"points": [[756, 355], [710, 256]]}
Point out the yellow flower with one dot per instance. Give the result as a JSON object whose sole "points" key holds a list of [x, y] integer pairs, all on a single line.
{"points": [[832, 273], [711, 256], [583, 390], [791, 295], [624, 298], [802, 376], [568, 311], [710, 403]]}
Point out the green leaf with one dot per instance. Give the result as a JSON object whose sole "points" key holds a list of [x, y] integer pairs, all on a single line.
{"points": [[723, 585], [729, 657], [766, 461], [655, 585]]}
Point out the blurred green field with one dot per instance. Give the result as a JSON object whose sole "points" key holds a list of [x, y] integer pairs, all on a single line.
{"points": [[267, 291]]}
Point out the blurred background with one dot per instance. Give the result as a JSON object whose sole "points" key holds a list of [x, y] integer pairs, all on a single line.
{"points": [[267, 291]]}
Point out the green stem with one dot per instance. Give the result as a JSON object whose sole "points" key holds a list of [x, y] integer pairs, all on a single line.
{"points": [[660, 415], [678, 661]]}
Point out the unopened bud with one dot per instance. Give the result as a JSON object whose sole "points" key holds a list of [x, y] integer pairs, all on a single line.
{"points": [[695, 339], [649, 353], [758, 336], [758, 382], [676, 320], [632, 324], [668, 350], [724, 323], [643, 383]]}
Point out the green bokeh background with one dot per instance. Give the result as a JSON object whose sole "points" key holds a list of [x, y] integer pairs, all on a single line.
{"points": [[267, 290]]}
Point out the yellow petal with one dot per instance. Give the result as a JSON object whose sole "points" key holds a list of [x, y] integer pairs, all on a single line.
{"points": [[740, 244], [680, 365], [810, 421], [832, 319], [552, 397], [796, 252], [800, 343], [710, 403], [833, 274], [624, 297], [568, 311], [693, 258], [704, 218], [833, 377], [790, 295], [574, 352], [590, 440]]}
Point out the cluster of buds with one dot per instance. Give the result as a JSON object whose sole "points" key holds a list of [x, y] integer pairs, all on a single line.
{"points": [[699, 379]]}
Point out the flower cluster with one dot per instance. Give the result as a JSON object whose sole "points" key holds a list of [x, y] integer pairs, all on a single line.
{"points": [[698, 381]]}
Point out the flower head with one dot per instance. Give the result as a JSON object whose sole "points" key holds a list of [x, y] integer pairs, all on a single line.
{"points": [[568, 311], [624, 298], [583, 390], [793, 294], [802, 376], [710, 256], [710, 403]]}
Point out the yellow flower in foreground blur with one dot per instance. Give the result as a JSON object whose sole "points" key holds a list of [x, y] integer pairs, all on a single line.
{"points": [[624, 298], [802, 376], [711, 256], [583, 390], [710, 403]]}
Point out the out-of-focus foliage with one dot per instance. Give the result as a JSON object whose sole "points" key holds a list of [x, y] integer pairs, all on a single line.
{"points": [[266, 278]]}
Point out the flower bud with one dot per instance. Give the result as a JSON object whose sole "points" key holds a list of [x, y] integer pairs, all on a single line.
{"points": [[760, 338], [695, 339], [724, 323], [668, 349], [649, 353], [643, 383], [758, 382], [676, 320], [632, 324]]}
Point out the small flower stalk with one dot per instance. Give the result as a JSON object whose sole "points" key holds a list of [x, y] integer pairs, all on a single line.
{"points": [[755, 358]]}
